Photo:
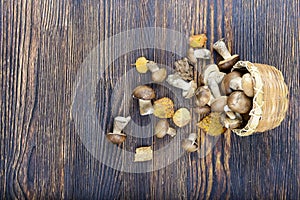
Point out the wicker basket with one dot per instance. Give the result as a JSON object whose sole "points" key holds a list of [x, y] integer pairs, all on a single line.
{"points": [[270, 101]]}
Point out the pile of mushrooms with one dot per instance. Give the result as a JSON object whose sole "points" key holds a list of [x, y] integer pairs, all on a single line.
{"points": [[226, 91], [223, 93]]}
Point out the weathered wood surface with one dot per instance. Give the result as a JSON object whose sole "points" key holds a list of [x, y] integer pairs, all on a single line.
{"points": [[43, 44]]}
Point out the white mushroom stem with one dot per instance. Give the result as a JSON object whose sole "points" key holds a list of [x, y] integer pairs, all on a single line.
{"points": [[120, 123], [236, 83], [152, 66], [202, 53], [214, 88], [188, 87], [146, 107], [221, 48], [171, 132]]}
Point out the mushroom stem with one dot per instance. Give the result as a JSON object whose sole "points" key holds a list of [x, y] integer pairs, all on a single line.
{"points": [[221, 48], [152, 66], [214, 88], [171, 131], [188, 87], [146, 107], [120, 123], [189, 144]]}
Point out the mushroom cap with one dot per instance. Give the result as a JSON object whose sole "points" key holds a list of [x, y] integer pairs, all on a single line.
{"points": [[163, 108], [226, 65], [239, 102], [143, 92], [182, 117], [189, 145], [116, 138], [225, 85], [217, 105], [203, 96], [247, 85], [202, 110], [161, 128], [159, 75]]}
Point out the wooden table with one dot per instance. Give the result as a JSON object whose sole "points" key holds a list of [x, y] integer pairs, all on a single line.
{"points": [[43, 45]]}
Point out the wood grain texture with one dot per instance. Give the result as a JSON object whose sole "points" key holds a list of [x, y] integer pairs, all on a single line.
{"points": [[43, 44]]}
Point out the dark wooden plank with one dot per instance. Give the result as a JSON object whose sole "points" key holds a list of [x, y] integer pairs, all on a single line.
{"points": [[43, 46]]}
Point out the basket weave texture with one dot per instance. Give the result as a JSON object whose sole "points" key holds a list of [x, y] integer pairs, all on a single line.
{"points": [[270, 101]]}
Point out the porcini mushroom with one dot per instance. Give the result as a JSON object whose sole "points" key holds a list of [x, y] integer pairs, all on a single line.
{"points": [[217, 105], [117, 137], [213, 77], [158, 74], [230, 123], [202, 110], [225, 88], [188, 87], [163, 128], [239, 102], [203, 96], [244, 83], [247, 85], [229, 60], [189, 144], [144, 94]]}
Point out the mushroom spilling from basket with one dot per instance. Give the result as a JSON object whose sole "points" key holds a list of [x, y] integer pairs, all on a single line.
{"points": [[232, 95]]}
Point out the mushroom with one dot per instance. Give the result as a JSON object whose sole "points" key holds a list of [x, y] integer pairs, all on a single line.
{"points": [[158, 74], [191, 56], [144, 94], [213, 77], [182, 117], [202, 53], [188, 87], [117, 137], [239, 102], [244, 83], [163, 108], [202, 110], [189, 144], [203, 96], [162, 128], [225, 88], [247, 84], [230, 123], [229, 60], [229, 112], [217, 105]]}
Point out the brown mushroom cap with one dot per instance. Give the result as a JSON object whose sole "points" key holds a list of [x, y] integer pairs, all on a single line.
{"points": [[161, 128], [217, 105], [239, 102], [226, 65], [247, 85], [159, 75], [116, 138], [143, 92], [203, 96], [202, 110], [225, 85]]}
